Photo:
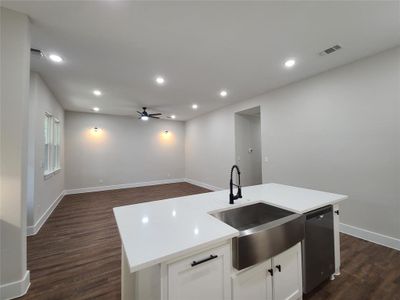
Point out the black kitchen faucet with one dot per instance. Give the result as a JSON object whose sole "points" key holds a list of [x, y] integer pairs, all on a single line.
{"points": [[232, 197]]}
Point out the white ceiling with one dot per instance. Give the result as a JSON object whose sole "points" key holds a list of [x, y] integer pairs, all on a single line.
{"points": [[200, 47]]}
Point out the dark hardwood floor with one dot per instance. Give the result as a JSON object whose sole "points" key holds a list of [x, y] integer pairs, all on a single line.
{"points": [[76, 254], [368, 271]]}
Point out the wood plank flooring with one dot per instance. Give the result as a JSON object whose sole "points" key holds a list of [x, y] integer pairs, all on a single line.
{"points": [[76, 255], [368, 271]]}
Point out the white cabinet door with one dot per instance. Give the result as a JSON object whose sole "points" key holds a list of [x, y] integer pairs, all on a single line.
{"points": [[336, 237], [287, 279], [253, 284], [202, 276]]}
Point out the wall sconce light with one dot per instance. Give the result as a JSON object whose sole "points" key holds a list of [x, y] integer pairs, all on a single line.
{"points": [[97, 131], [166, 136]]}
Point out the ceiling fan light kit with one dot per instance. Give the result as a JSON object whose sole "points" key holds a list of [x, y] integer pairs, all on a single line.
{"points": [[144, 115]]}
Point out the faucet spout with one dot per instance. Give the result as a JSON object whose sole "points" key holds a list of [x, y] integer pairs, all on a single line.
{"points": [[233, 197]]}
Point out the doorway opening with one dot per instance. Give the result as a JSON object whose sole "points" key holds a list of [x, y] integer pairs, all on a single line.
{"points": [[248, 145]]}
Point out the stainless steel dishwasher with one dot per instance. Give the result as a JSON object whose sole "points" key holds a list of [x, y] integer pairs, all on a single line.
{"points": [[318, 248]]}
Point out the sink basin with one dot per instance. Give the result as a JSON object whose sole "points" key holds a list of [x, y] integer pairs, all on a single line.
{"points": [[264, 231]]}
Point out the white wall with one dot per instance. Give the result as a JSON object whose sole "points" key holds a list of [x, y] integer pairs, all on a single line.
{"points": [[126, 151], [43, 192], [15, 60], [248, 135], [210, 145], [338, 131]]}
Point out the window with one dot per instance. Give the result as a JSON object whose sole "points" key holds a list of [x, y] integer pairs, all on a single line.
{"points": [[52, 142], [47, 143], [57, 142]]}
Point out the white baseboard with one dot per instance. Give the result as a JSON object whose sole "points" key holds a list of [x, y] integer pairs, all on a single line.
{"points": [[122, 186], [15, 289], [371, 236], [34, 229], [203, 185]]}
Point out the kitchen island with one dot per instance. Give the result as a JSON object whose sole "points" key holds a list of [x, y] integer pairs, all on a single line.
{"points": [[161, 239]]}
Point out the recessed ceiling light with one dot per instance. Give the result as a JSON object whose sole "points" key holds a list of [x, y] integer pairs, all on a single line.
{"points": [[195, 106], [96, 109], [97, 93], [290, 63], [223, 93], [160, 80], [173, 116], [56, 58]]}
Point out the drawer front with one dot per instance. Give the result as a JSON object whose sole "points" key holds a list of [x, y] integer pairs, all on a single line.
{"points": [[205, 275]]}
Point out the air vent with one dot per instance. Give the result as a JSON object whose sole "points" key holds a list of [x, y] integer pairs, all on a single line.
{"points": [[331, 50], [37, 52]]}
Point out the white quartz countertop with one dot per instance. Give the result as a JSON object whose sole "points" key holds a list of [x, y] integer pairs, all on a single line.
{"points": [[154, 232]]}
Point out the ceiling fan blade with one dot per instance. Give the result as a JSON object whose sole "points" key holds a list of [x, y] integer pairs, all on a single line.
{"points": [[139, 112], [157, 114], [150, 116]]}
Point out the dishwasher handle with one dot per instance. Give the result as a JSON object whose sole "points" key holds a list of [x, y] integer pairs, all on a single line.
{"points": [[319, 213]]}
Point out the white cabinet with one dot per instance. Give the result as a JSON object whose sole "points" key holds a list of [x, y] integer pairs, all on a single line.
{"points": [[279, 278], [208, 275], [205, 275], [336, 232], [253, 283], [287, 279]]}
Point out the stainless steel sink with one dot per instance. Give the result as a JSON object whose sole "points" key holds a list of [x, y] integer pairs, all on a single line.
{"points": [[265, 231]]}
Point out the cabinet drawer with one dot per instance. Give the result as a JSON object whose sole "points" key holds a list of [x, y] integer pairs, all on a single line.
{"points": [[205, 275]]}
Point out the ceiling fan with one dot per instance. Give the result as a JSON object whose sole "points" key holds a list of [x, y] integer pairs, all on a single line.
{"points": [[144, 115]]}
